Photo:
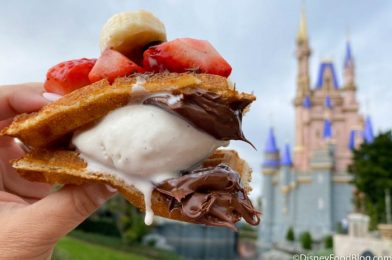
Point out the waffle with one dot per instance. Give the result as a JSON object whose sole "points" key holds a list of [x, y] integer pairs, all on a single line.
{"points": [[66, 167], [90, 103]]}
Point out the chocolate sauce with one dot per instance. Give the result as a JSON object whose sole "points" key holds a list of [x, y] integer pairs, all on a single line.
{"points": [[207, 111], [212, 196]]}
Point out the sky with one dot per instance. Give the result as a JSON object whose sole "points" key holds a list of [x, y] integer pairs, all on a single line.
{"points": [[257, 37]]}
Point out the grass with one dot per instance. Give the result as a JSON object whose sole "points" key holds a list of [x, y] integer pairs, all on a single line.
{"points": [[112, 244], [72, 248]]}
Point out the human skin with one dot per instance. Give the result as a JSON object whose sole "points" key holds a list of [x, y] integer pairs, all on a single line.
{"points": [[32, 218]]}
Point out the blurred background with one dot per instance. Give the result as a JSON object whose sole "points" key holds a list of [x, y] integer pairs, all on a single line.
{"points": [[321, 122]]}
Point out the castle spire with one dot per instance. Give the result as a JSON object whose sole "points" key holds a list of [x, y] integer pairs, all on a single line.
{"points": [[303, 53], [303, 97], [349, 67], [271, 160], [348, 58], [286, 157], [270, 145], [303, 28]]}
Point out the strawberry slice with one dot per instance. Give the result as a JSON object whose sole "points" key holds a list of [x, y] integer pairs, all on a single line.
{"points": [[67, 76], [111, 65], [186, 54]]}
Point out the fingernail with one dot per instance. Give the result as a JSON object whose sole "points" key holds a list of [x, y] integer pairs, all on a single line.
{"points": [[110, 188], [51, 96]]}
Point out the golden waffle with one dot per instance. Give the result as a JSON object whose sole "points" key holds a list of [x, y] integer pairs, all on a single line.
{"points": [[66, 167], [92, 102]]}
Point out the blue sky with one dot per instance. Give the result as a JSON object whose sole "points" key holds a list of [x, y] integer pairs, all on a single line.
{"points": [[257, 37]]}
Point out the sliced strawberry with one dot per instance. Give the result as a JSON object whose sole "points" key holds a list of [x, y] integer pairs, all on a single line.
{"points": [[186, 54], [67, 76], [111, 65]]}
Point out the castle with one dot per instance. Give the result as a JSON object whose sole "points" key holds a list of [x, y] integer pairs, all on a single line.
{"points": [[312, 192]]}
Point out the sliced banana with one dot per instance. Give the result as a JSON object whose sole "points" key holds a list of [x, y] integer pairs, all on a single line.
{"points": [[130, 32]]}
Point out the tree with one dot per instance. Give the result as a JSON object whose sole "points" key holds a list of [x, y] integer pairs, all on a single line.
{"points": [[328, 242], [118, 218], [129, 220], [290, 235], [306, 240], [372, 170]]}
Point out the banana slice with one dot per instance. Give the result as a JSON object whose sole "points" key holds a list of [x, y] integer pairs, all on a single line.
{"points": [[131, 32]]}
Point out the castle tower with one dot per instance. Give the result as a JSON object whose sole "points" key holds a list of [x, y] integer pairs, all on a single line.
{"points": [[349, 68], [285, 184], [270, 170], [286, 163], [303, 53], [353, 121], [349, 87]]}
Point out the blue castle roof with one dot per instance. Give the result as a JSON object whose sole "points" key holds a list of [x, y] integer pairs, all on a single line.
{"points": [[307, 103], [270, 144], [348, 59], [286, 157], [351, 140], [327, 129], [368, 135], [328, 102], [271, 148], [324, 66], [271, 163]]}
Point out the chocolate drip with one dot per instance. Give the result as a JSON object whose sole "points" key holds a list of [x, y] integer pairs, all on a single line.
{"points": [[207, 111], [213, 196]]}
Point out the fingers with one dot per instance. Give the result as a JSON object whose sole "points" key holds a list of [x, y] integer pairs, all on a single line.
{"points": [[23, 98], [57, 214], [12, 182], [6, 197]]}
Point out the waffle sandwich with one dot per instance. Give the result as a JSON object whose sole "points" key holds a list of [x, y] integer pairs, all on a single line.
{"points": [[155, 135]]}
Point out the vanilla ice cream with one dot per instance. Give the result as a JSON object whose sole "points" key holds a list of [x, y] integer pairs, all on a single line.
{"points": [[142, 145]]}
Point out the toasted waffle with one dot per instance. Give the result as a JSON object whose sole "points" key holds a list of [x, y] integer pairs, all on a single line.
{"points": [[62, 166], [90, 103], [80, 108]]}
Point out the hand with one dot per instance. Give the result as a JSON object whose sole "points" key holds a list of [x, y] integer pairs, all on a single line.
{"points": [[32, 219]]}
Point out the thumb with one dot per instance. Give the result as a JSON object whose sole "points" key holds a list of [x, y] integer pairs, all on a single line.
{"points": [[60, 212]]}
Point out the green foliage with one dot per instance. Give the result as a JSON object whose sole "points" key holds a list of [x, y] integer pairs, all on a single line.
{"points": [[372, 170], [328, 242], [71, 248], [101, 226], [117, 218], [339, 228], [306, 240], [247, 232], [247, 227], [131, 224], [116, 243], [290, 234]]}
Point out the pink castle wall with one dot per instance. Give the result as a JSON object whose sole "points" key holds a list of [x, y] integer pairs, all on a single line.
{"points": [[309, 123]]}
